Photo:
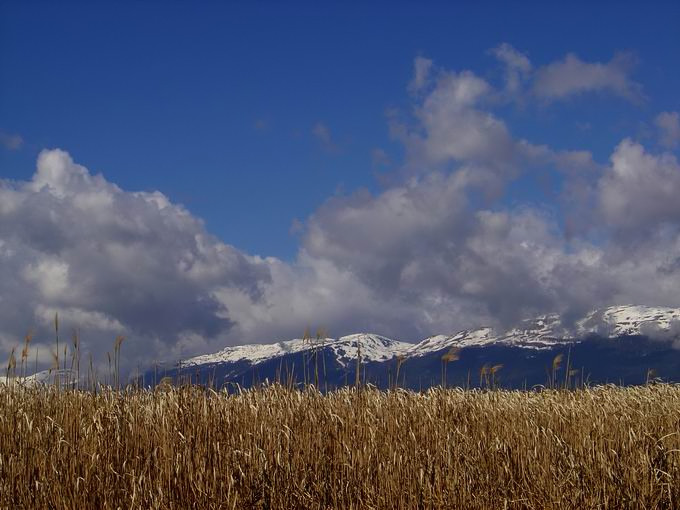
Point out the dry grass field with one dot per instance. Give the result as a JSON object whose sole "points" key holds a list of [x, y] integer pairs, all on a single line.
{"points": [[190, 447]]}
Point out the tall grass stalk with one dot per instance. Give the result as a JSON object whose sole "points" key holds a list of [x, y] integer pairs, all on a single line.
{"points": [[194, 447]]}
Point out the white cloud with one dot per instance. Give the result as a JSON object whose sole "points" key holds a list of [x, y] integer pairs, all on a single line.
{"points": [[433, 252], [50, 276], [668, 124], [429, 244], [639, 192], [441, 265], [83, 319], [114, 262], [452, 127], [425, 255], [517, 67], [422, 68], [453, 124], [573, 76]]}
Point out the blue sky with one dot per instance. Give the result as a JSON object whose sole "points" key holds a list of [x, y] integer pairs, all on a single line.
{"points": [[214, 105], [194, 175]]}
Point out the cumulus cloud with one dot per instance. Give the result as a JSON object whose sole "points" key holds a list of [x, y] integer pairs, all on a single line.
{"points": [[453, 123], [445, 264], [429, 244], [438, 249], [113, 262], [452, 126], [639, 191], [573, 76], [668, 124]]}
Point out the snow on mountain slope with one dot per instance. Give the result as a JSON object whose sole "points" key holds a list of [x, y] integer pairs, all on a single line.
{"points": [[461, 339], [254, 353], [628, 320], [62, 376], [548, 330], [373, 348], [538, 333]]}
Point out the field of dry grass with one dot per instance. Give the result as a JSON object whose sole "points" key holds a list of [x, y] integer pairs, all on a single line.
{"points": [[604, 447]]}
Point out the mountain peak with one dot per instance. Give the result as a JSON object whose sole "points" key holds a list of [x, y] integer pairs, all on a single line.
{"points": [[542, 332]]}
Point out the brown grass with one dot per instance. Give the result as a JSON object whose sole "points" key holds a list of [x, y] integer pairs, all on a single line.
{"points": [[604, 447]]}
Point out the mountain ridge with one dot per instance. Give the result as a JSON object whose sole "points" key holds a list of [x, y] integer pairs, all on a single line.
{"points": [[543, 332], [613, 344]]}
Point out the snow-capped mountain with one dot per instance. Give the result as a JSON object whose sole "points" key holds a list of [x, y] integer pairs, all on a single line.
{"points": [[633, 338], [64, 377], [538, 333], [345, 349], [548, 331]]}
